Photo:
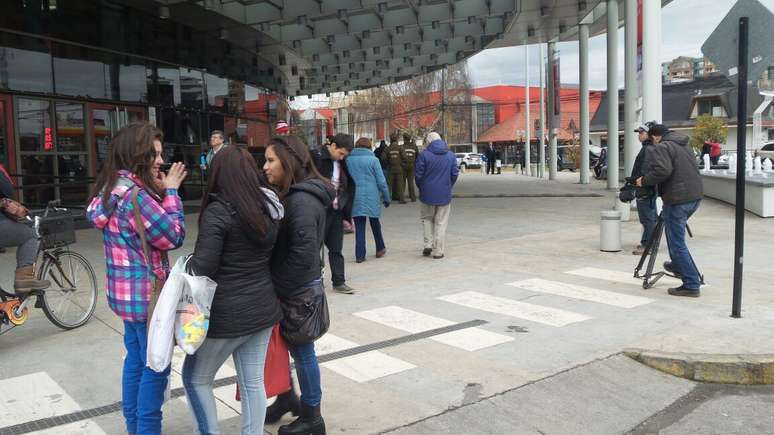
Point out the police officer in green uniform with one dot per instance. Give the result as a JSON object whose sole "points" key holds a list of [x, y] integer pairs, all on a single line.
{"points": [[394, 159], [409, 156]]}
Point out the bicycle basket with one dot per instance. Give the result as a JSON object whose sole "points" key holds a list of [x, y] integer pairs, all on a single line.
{"points": [[57, 229]]}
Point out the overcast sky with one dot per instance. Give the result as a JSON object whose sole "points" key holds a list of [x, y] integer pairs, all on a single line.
{"points": [[686, 24]]}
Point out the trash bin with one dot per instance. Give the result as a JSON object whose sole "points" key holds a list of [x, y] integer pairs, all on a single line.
{"points": [[610, 231], [517, 168]]}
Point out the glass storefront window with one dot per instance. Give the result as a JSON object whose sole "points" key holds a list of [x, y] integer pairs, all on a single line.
{"points": [[82, 72], [37, 179], [217, 92], [34, 125], [191, 88], [25, 64], [132, 80], [73, 178], [169, 86], [70, 128]]}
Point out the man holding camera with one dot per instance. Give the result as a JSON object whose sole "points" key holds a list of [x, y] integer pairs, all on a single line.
{"points": [[670, 164], [646, 205]]}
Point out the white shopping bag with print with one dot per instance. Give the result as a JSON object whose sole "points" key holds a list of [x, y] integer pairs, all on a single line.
{"points": [[193, 312], [161, 327]]}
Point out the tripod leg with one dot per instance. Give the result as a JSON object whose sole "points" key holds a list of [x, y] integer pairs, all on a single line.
{"points": [[657, 233], [654, 236]]}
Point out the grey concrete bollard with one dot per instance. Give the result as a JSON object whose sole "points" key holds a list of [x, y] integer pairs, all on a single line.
{"points": [[610, 231], [518, 168], [533, 169]]}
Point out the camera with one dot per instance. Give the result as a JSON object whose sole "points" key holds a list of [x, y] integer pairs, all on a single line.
{"points": [[630, 192], [165, 167]]}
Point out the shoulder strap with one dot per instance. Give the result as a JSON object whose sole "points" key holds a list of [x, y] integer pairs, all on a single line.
{"points": [[139, 226]]}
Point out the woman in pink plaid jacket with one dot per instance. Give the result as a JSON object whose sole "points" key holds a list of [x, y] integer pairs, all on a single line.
{"points": [[133, 165]]}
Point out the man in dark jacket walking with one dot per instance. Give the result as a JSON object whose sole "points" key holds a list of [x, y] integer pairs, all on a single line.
{"points": [[329, 161], [436, 173], [671, 165], [491, 157], [646, 207], [394, 159]]}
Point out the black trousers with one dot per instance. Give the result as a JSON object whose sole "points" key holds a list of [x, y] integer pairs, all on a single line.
{"points": [[334, 241], [490, 167]]}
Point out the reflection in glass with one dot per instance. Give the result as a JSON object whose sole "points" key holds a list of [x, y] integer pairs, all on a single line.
{"points": [[131, 79], [82, 72], [217, 91], [34, 125], [70, 129], [73, 185], [25, 64], [37, 180], [191, 88], [103, 124], [169, 86]]}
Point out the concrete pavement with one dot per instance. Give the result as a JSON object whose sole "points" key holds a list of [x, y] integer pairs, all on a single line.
{"points": [[528, 267]]}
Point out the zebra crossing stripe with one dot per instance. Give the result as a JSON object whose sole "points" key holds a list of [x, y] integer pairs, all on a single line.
{"points": [[583, 293], [362, 367], [36, 396], [616, 276], [512, 308], [469, 339]]}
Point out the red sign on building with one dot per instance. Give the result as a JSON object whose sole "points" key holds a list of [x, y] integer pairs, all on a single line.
{"points": [[49, 143]]}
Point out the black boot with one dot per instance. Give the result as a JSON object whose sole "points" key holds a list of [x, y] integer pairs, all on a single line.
{"points": [[309, 423], [286, 402]]}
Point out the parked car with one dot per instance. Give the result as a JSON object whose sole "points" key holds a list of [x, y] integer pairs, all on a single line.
{"points": [[766, 151], [468, 160]]}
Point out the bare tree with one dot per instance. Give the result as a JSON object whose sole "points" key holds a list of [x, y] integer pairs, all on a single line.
{"points": [[417, 105]]}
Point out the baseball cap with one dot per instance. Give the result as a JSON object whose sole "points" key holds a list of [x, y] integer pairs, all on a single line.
{"points": [[282, 127]]}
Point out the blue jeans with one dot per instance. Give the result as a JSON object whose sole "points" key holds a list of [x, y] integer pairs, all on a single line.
{"points": [[308, 371], [199, 369], [360, 242], [646, 210], [143, 389], [675, 220]]}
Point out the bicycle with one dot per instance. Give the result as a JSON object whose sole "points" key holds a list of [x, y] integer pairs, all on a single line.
{"points": [[71, 299]]}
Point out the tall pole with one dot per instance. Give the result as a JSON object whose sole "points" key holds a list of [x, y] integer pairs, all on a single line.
{"points": [[651, 61], [552, 119], [528, 139], [541, 140], [631, 142], [612, 94], [443, 103], [583, 37], [741, 143]]}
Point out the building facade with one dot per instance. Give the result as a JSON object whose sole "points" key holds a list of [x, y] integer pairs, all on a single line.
{"points": [[73, 73]]}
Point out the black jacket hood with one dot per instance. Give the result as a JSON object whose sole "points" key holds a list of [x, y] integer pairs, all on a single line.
{"points": [[318, 188]]}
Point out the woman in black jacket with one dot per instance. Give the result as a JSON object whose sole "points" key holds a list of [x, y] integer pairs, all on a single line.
{"points": [[296, 260], [238, 226]]}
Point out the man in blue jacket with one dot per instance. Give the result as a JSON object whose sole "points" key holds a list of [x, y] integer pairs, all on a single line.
{"points": [[435, 174]]}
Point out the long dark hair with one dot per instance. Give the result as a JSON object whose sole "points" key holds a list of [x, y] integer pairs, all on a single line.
{"points": [[235, 177], [296, 161], [131, 150]]}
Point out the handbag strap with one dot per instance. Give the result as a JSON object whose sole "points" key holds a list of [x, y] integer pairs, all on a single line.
{"points": [[140, 228]]}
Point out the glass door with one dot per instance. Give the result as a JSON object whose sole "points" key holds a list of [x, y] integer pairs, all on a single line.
{"points": [[106, 120]]}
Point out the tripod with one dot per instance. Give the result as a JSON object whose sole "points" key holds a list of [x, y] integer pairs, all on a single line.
{"points": [[649, 278]]}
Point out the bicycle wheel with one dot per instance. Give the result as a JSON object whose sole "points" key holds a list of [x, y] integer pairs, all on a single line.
{"points": [[72, 297]]}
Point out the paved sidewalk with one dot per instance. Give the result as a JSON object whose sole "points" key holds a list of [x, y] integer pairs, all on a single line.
{"points": [[528, 269]]}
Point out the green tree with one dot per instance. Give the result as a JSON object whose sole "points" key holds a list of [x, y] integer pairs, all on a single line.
{"points": [[708, 128]]}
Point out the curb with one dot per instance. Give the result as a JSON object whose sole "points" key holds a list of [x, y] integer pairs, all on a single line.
{"points": [[740, 369]]}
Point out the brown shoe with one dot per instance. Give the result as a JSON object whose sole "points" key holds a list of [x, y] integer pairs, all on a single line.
{"points": [[380, 254], [25, 281]]}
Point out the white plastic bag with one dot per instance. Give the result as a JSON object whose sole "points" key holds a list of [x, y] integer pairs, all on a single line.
{"points": [[162, 324], [193, 312]]}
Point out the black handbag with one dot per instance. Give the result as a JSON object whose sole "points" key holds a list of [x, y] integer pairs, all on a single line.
{"points": [[306, 316]]}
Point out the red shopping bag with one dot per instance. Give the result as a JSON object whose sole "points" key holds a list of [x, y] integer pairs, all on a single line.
{"points": [[276, 372]]}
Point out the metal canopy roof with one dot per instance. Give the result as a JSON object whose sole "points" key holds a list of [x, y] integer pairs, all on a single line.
{"points": [[320, 46]]}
